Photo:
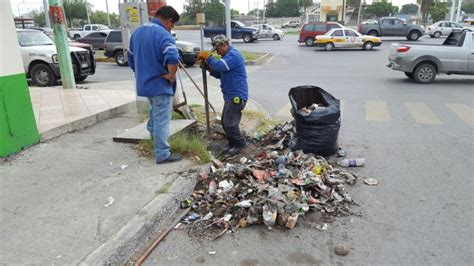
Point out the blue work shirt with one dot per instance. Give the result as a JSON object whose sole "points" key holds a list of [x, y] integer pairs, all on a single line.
{"points": [[231, 71], [152, 48]]}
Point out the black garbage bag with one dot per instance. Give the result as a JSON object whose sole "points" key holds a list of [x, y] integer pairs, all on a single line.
{"points": [[317, 131]]}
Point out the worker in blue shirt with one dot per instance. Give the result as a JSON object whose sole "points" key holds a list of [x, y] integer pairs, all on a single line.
{"points": [[230, 69], [154, 58]]}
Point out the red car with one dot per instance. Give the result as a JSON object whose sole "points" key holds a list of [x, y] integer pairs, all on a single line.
{"points": [[310, 30]]}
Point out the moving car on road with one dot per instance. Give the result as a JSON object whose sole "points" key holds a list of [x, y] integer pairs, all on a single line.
{"points": [[291, 24], [424, 61], [442, 28], [238, 31], [389, 26], [87, 29], [114, 49], [40, 59], [268, 31], [310, 30], [347, 38], [96, 39]]}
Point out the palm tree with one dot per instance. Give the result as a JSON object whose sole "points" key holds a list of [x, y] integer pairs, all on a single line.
{"points": [[425, 7]]}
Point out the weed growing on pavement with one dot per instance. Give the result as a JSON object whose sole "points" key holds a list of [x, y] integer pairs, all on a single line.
{"points": [[264, 123], [190, 145]]}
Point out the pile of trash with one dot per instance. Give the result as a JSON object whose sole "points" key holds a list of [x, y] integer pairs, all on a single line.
{"points": [[315, 107], [274, 186]]}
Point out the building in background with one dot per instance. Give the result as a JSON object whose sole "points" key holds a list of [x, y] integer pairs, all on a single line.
{"points": [[331, 10]]}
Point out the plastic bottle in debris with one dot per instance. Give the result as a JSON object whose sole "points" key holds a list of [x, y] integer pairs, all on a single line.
{"points": [[352, 162]]}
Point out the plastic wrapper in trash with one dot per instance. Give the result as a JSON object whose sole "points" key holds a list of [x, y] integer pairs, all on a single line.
{"points": [[317, 130]]}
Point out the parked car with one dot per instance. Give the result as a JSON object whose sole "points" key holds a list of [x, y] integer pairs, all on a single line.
{"points": [[291, 24], [268, 31], [96, 39], [392, 27], [347, 38], [422, 62], [443, 28], [310, 30], [87, 29], [40, 59], [238, 31], [114, 49]]}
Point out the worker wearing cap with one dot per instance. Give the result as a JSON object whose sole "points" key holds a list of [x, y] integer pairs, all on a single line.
{"points": [[230, 69]]}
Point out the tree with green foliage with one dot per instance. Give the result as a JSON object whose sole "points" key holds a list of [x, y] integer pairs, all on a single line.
{"points": [[468, 7], [100, 17], [439, 11], [215, 12], [190, 10], [75, 10], [409, 9], [284, 8], [38, 17], [380, 9], [425, 8]]}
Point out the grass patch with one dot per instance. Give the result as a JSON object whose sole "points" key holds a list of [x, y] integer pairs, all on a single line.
{"points": [[265, 123], [292, 33], [248, 56], [189, 145]]}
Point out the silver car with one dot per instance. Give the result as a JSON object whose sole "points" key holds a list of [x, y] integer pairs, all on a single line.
{"points": [[422, 62], [442, 28]]}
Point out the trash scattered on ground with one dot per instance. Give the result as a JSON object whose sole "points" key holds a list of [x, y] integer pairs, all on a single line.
{"points": [[341, 249], [371, 181], [123, 166], [341, 153], [322, 227], [177, 226], [212, 252], [111, 163], [271, 186], [59, 256], [110, 201], [352, 162], [315, 107]]}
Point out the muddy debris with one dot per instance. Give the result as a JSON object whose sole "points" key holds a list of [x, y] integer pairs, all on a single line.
{"points": [[272, 186]]}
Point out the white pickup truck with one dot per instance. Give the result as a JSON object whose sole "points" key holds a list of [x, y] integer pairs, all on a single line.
{"points": [[87, 29], [422, 62]]}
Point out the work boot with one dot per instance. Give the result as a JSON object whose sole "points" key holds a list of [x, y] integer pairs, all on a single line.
{"points": [[174, 157], [235, 150], [226, 150]]}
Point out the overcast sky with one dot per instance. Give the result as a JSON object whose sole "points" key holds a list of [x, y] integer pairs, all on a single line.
{"points": [[24, 6]]}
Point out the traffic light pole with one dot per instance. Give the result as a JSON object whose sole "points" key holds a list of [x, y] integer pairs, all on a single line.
{"points": [[56, 13]]}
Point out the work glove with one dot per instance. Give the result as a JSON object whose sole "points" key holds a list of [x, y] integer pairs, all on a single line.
{"points": [[204, 55]]}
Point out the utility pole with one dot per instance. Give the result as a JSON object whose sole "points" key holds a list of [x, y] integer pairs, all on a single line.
{"points": [[360, 12], [108, 15], [459, 10], [453, 7], [228, 30], [87, 12], [46, 13], [56, 13], [263, 11]]}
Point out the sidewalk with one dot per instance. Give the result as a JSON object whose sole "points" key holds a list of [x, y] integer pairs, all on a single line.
{"points": [[53, 196], [58, 111]]}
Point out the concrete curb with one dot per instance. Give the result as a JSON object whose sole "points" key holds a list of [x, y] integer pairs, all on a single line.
{"points": [[260, 61], [139, 231], [86, 121]]}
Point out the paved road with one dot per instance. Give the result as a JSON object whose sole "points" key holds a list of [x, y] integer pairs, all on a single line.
{"points": [[417, 140]]}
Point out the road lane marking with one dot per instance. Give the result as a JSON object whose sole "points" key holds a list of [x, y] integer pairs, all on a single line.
{"points": [[285, 111], [376, 111], [464, 112], [422, 113]]}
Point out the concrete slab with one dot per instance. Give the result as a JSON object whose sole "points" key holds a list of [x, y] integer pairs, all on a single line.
{"points": [[140, 132]]}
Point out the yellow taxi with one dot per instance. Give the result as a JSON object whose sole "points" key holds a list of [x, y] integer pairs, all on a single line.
{"points": [[346, 38]]}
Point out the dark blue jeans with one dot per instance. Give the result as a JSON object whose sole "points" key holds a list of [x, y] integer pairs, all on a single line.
{"points": [[231, 116]]}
